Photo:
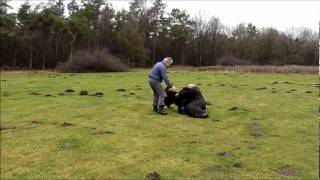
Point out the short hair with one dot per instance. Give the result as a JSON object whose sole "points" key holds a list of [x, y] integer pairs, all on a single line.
{"points": [[168, 59], [191, 85]]}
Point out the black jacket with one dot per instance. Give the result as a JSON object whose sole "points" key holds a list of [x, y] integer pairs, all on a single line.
{"points": [[190, 101]]}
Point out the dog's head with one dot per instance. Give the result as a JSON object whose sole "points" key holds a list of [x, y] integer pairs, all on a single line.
{"points": [[171, 89], [171, 95]]}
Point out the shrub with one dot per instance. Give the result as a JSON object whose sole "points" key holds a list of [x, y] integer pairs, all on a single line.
{"points": [[99, 60], [230, 61], [5, 67]]}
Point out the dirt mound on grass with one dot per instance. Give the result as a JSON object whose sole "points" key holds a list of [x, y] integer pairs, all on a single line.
{"points": [[215, 169], [99, 94], [83, 93], [69, 90], [191, 142], [234, 108], [237, 165], [6, 93], [35, 122], [224, 154], [66, 124], [286, 82], [256, 130], [121, 90], [287, 171], [35, 93], [6, 128], [261, 88], [153, 176], [102, 132]]}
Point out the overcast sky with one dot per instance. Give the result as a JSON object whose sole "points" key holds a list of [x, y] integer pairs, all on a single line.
{"points": [[280, 14]]}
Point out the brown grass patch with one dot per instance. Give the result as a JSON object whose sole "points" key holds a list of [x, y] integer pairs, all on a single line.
{"points": [[264, 69]]}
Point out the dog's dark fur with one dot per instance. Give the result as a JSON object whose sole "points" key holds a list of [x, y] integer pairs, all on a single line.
{"points": [[189, 101], [171, 97]]}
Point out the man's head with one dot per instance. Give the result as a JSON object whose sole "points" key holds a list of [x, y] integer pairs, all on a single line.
{"points": [[167, 61]]}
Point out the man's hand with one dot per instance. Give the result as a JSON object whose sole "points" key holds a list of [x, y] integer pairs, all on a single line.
{"points": [[177, 94]]}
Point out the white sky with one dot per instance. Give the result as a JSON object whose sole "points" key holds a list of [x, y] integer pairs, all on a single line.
{"points": [[280, 14]]}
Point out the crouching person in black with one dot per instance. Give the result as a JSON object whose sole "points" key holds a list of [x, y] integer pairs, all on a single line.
{"points": [[189, 100]]}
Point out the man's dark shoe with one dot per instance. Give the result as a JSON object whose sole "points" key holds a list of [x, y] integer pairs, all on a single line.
{"points": [[161, 111], [155, 109]]}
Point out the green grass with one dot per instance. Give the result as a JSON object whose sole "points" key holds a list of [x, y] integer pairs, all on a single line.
{"points": [[140, 142]]}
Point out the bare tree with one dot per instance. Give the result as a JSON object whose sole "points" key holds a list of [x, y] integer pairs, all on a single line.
{"points": [[213, 28], [199, 27]]}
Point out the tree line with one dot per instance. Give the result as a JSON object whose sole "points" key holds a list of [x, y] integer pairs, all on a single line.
{"points": [[43, 36]]}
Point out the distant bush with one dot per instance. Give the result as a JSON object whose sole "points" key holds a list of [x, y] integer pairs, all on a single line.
{"points": [[93, 61], [230, 61], [5, 67]]}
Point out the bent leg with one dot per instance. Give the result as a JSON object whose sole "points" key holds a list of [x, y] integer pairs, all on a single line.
{"points": [[155, 94], [158, 93], [194, 110], [162, 95]]}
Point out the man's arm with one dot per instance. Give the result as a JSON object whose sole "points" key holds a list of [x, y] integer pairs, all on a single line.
{"points": [[165, 77]]}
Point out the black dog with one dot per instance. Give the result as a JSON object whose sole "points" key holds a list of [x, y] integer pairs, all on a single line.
{"points": [[189, 100], [171, 97]]}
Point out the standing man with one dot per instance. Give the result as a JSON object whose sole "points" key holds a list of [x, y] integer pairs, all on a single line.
{"points": [[157, 74]]}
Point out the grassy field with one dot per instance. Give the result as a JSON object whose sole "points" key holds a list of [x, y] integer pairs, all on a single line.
{"points": [[261, 126]]}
